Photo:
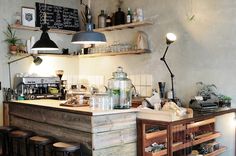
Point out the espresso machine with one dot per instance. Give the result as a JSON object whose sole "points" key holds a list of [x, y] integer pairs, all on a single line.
{"points": [[29, 88]]}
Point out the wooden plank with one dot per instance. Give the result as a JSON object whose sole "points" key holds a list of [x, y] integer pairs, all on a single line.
{"points": [[155, 134], [69, 32], [134, 52], [112, 122], [181, 146], [222, 149], [124, 26], [123, 150], [6, 114], [114, 138], [206, 138], [60, 133], [161, 133], [201, 123], [159, 153], [54, 117], [59, 31]]}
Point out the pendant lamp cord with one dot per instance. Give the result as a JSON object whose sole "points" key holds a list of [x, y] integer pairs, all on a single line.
{"points": [[45, 15]]}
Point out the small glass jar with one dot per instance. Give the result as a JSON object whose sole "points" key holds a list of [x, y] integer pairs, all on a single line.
{"points": [[119, 88], [101, 101]]}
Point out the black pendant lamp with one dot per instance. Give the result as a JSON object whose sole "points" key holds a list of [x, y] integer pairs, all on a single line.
{"points": [[45, 43]]}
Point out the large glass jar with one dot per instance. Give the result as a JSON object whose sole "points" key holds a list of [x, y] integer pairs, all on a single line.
{"points": [[119, 88]]}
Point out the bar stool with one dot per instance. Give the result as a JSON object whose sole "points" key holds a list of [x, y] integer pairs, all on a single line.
{"points": [[39, 144], [4, 132], [19, 137], [65, 148]]}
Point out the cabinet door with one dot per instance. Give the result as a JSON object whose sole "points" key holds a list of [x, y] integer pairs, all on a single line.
{"points": [[6, 119]]}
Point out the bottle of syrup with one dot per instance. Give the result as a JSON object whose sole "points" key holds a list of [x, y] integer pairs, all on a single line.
{"points": [[119, 17]]}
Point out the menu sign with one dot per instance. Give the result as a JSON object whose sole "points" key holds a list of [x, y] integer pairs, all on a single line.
{"points": [[57, 17]]}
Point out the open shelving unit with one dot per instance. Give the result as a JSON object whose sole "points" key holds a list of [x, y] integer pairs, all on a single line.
{"points": [[112, 28], [59, 31], [124, 26], [180, 131], [68, 32], [132, 52]]}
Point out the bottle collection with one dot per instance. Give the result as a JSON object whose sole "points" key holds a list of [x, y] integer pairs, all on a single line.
{"points": [[120, 17]]}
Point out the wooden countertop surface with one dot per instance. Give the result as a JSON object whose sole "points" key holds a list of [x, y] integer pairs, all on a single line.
{"points": [[55, 104]]}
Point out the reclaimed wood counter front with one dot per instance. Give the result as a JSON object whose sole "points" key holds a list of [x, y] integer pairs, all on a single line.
{"points": [[104, 133]]}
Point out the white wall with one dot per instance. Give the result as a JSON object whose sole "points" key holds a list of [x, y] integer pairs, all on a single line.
{"points": [[226, 124]]}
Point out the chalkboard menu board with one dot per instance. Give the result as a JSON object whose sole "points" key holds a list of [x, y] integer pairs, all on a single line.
{"points": [[57, 17]]}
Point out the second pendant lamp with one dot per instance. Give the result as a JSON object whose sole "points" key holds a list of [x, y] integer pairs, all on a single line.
{"points": [[88, 36], [45, 43]]}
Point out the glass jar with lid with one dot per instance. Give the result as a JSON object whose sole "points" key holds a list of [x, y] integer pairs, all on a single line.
{"points": [[119, 88]]}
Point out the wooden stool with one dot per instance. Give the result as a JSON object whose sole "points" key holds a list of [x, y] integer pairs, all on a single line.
{"points": [[65, 148], [19, 136], [39, 144], [4, 132]]}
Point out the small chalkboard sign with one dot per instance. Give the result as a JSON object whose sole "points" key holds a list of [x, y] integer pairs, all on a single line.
{"points": [[57, 17]]}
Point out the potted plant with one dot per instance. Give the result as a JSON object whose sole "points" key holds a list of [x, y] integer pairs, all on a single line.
{"points": [[224, 100], [11, 39], [207, 90]]}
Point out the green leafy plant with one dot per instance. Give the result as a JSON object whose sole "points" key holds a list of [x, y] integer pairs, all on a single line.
{"points": [[207, 90], [224, 98], [11, 38]]}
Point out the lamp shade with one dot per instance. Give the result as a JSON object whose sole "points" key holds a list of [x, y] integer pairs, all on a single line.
{"points": [[170, 38], [88, 37], [45, 43]]}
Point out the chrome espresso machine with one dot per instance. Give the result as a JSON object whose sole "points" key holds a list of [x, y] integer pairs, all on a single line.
{"points": [[29, 88]]}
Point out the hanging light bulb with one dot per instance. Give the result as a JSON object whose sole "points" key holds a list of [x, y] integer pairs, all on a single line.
{"points": [[45, 43]]}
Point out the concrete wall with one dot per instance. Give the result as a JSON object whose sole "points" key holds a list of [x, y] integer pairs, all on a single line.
{"points": [[204, 51]]}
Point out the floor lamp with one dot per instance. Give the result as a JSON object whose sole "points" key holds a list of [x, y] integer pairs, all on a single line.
{"points": [[37, 61], [170, 38]]}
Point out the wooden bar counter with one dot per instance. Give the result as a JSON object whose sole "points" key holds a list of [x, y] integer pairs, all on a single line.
{"points": [[104, 133]]}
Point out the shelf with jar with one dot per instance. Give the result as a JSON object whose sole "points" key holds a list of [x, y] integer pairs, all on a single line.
{"points": [[68, 32], [129, 52]]}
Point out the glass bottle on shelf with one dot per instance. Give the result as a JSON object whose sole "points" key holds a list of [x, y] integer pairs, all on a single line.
{"points": [[119, 17], [102, 20], [108, 21], [128, 16]]}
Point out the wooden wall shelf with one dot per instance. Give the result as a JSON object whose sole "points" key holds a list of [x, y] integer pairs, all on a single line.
{"points": [[124, 26], [133, 52], [21, 27], [68, 32]]}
